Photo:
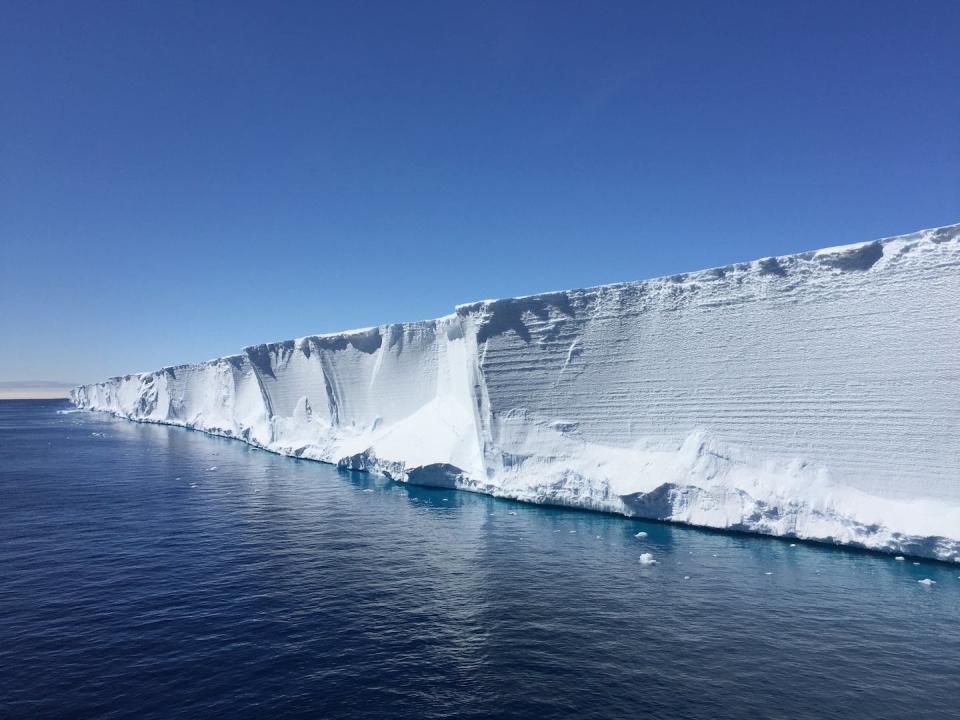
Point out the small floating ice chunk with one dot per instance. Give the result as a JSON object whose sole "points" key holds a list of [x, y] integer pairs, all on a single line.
{"points": [[927, 582], [916, 563], [573, 531], [686, 577], [647, 559], [641, 535], [513, 512], [368, 489], [212, 468], [901, 558], [768, 573], [793, 544]]}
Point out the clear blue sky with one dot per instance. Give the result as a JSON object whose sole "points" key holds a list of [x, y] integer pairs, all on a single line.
{"points": [[178, 180]]}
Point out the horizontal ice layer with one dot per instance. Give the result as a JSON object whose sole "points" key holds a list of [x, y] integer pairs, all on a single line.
{"points": [[813, 396]]}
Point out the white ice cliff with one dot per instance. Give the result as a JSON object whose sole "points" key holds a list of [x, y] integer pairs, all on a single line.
{"points": [[814, 396]]}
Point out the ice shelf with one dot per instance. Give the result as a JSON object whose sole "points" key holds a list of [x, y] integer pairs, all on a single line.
{"points": [[814, 396]]}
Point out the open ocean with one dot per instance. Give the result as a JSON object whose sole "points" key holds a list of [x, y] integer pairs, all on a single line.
{"points": [[155, 572]]}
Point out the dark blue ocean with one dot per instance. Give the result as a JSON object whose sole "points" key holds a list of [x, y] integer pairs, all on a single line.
{"points": [[137, 581]]}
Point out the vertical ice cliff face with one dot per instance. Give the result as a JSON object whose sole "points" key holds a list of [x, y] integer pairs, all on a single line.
{"points": [[396, 399], [390, 398], [221, 396], [814, 395]]}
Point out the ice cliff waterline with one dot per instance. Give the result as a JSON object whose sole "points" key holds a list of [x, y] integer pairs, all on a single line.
{"points": [[814, 396]]}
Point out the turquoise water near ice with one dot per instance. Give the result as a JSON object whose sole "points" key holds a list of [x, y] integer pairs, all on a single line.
{"points": [[138, 581]]}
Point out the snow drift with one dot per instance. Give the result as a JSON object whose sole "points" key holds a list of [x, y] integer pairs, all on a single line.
{"points": [[814, 396]]}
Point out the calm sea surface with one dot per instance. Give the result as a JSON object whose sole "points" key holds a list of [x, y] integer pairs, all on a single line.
{"points": [[155, 572]]}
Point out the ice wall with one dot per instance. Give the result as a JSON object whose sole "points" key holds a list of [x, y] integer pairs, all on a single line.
{"points": [[813, 396]]}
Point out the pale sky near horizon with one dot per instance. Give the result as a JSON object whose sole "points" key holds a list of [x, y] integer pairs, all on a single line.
{"points": [[179, 179], [31, 393]]}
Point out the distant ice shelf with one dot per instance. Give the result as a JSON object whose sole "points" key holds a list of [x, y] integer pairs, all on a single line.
{"points": [[814, 396]]}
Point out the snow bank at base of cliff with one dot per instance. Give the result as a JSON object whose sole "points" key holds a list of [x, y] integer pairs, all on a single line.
{"points": [[814, 396]]}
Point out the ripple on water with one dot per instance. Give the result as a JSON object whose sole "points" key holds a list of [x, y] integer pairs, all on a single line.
{"points": [[140, 582]]}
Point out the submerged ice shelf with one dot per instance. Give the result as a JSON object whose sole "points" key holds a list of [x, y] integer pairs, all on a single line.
{"points": [[814, 396]]}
